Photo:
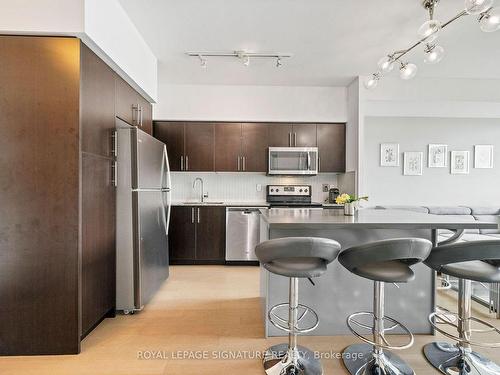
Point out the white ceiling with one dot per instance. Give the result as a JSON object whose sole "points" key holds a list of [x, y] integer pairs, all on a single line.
{"points": [[332, 41]]}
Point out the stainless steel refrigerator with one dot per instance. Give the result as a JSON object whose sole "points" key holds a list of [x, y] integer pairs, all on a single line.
{"points": [[143, 215]]}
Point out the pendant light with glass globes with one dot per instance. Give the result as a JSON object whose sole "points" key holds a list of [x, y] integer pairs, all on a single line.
{"points": [[428, 33]]}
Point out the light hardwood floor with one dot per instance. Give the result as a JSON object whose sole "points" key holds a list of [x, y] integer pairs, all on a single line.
{"points": [[200, 308]]}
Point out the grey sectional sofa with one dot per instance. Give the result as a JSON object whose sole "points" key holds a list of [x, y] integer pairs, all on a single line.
{"points": [[490, 214]]}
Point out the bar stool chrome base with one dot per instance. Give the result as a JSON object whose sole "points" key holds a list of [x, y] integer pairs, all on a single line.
{"points": [[450, 360], [279, 360], [359, 359]]}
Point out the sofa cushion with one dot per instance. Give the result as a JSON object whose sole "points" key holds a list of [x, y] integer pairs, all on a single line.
{"points": [[485, 210], [489, 219], [449, 210], [465, 218], [423, 210]]}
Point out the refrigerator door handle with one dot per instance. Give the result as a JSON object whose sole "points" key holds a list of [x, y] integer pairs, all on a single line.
{"points": [[166, 188]]}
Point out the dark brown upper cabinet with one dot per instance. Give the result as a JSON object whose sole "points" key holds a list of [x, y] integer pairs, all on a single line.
{"points": [[332, 147], [132, 107], [199, 147], [172, 134], [304, 135], [254, 147], [241, 147], [190, 146], [280, 135], [292, 135], [228, 154]]}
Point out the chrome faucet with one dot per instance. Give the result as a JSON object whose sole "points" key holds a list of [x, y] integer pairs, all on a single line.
{"points": [[202, 194]]}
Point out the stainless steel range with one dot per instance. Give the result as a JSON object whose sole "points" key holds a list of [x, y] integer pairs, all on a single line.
{"points": [[290, 196]]}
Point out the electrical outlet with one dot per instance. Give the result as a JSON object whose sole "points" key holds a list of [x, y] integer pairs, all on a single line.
{"points": [[258, 187], [326, 187]]}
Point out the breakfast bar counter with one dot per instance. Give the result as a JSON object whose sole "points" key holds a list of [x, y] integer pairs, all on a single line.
{"points": [[339, 293]]}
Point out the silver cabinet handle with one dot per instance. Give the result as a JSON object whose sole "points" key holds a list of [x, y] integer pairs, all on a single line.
{"points": [[295, 139], [192, 215], [114, 137], [114, 173], [182, 163], [290, 139], [198, 214], [239, 163], [244, 158], [140, 117], [187, 163]]}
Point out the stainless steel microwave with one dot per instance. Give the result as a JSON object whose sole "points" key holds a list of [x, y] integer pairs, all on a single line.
{"points": [[293, 161]]}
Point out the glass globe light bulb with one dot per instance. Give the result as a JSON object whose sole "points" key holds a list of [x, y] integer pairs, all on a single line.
{"points": [[386, 64], [490, 21], [433, 54], [372, 81], [429, 31], [477, 6], [407, 71]]}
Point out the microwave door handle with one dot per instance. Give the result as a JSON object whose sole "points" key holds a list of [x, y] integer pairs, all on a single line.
{"points": [[308, 160]]}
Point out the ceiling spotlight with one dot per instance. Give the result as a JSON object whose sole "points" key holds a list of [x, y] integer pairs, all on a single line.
{"points": [[489, 21], [386, 64], [372, 81], [203, 61], [407, 71], [477, 6], [246, 60], [433, 54], [429, 31], [279, 63]]}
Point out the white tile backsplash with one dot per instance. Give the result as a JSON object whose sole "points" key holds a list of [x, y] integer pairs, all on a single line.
{"points": [[242, 187]]}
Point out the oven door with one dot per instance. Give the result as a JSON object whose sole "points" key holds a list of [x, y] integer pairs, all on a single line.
{"points": [[293, 161]]}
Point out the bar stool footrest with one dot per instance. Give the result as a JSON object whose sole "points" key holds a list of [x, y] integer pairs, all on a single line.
{"points": [[351, 322], [438, 318], [282, 323]]}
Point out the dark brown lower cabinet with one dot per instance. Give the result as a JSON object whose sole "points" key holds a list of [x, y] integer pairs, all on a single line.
{"points": [[197, 235], [98, 240]]}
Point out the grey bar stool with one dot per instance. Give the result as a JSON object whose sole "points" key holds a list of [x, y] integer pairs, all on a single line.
{"points": [[386, 261], [294, 257], [468, 261]]}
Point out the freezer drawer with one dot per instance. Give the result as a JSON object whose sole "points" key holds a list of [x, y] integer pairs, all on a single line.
{"points": [[242, 233]]}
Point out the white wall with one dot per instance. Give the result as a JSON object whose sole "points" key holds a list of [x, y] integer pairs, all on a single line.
{"points": [[109, 27], [103, 25], [387, 185], [41, 16], [250, 103], [241, 187]]}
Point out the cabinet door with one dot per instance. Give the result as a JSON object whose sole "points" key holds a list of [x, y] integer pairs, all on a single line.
{"points": [[126, 102], [199, 147], [280, 135], [304, 135], [210, 234], [146, 116], [172, 134], [98, 240], [255, 144], [97, 103], [228, 147], [331, 144], [182, 235]]}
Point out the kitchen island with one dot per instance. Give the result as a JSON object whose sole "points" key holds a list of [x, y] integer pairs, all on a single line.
{"points": [[339, 293]]}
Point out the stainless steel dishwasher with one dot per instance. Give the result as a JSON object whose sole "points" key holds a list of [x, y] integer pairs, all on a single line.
{"points": [[242, 233]]}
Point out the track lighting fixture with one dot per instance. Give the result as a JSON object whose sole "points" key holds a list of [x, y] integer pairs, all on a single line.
{"points": [[243, 56], [203, 61], [489, 21]]}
